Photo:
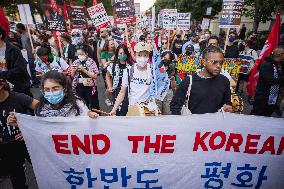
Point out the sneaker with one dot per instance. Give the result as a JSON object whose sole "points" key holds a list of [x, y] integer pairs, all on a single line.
{"points": [[108, 102]]}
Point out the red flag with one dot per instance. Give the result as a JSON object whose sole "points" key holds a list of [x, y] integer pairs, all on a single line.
{"points": [[65, 12], [270, 44], [4, 22]]}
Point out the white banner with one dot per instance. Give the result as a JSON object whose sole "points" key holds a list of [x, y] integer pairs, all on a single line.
{"points": [[169, 19], [99, 16], [183, 21], [170, 152], [25, 14]]}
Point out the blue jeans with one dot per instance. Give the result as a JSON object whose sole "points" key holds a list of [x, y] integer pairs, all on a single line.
{"points": [[31, 62]]}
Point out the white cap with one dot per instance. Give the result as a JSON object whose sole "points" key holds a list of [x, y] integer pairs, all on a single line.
{"points": [[141, 46]]}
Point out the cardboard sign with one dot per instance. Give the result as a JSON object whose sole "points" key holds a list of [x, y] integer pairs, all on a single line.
{"points": [[99, 16], [168, 152], [124, 11], [54, 15], [183, 21], [78, 18], [231, 14], [25, 14], [170, 19]]}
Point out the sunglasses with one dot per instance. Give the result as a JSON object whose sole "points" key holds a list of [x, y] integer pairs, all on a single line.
{"points": [[215, 62], [75, 35], [2, 80], [163, 43]]}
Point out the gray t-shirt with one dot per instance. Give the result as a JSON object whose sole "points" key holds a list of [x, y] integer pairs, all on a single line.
{"points": [[3, 64], [27, 45]]}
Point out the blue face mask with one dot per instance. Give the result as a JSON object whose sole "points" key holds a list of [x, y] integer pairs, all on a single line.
{"points": [[231, 39], [54, 97]]}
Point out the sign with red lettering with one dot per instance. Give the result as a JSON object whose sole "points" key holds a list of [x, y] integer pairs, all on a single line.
{"points": [[99, 16], [176, 152]]}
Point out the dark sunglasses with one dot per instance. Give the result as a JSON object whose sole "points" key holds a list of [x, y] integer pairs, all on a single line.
{"points": [[214, 62], [75, 35]]}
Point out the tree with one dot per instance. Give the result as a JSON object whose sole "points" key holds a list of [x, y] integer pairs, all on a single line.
{"points": [[261, 10]]}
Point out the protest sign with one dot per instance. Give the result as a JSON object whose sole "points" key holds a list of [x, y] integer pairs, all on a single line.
{"points": [[176, 152], [231, 14], [99, 16], [188, 65], [54, 15], [25, 14], [183, 21], [208, 11], [137, 9], [160, 18], [205, 23], [78, 18], [124, 11], [169, 19]]}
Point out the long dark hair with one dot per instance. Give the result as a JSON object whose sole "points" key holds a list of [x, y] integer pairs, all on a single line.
{"points": [[66, 84], [125, 49]]}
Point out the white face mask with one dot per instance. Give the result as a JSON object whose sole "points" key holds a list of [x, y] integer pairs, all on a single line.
{"points": [[141, 61], [82, 57]]}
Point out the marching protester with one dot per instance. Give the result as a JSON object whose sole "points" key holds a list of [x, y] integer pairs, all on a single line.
{"points": [[208, 91], [47, 61], [66, 40], [249, 55], [271, 80], [107, 56], [138, 84], [84, 72], [231, 49], [13, 151], [167, 65], [13, 66], [26, 43], [116, 71]]}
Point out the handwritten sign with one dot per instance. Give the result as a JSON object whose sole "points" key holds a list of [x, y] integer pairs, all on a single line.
{"points": [[169, 19], [99, 16]]}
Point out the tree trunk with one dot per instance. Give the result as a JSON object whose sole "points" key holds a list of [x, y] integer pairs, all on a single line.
{"points": [[256, 19]]}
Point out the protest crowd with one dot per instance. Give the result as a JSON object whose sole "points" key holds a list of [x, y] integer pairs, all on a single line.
{"points": [[145, 72]]}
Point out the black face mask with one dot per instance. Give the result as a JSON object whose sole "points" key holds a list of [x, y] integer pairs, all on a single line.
{"points": [[188, 53]]}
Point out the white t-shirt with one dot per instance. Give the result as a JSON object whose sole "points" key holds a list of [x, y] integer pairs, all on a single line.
{"points": [[43, 68], [140, 84]]}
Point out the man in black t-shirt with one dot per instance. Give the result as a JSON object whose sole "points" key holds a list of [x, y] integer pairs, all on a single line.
{"points": [[210, 91], [12, 147]]}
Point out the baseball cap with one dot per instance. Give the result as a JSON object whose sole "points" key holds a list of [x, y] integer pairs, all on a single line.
{"points": [[141, 46]]}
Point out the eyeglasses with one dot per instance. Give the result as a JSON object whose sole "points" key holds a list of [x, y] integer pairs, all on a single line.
{"points": [[2, 80], [163, 43]]}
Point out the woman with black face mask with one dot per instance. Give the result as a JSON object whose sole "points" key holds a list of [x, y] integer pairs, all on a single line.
{"points": [[168, 65], [177, 47], [116, 71]]}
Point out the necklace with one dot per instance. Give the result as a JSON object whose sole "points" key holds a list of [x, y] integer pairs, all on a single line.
{"points": [[203, 77]]}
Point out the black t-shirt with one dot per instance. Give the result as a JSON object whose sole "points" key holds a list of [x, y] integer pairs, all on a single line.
{"points": [[16, 102], [206, 95], [232, 52]]}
